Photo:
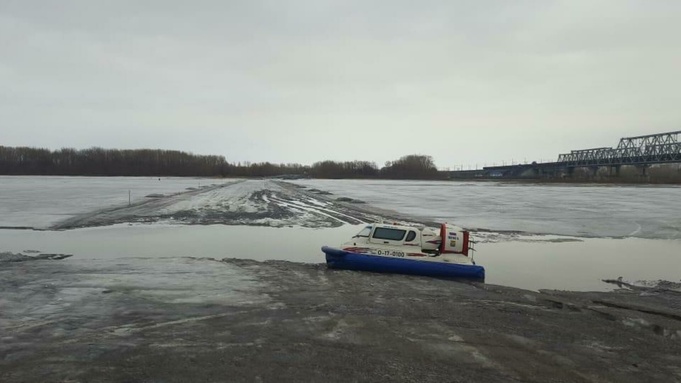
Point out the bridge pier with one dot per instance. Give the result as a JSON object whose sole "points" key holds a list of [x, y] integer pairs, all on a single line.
{"points": [[643, 169], [615, 169], [594, 171]]}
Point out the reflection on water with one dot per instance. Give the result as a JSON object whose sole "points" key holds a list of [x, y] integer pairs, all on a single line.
{"points": [[214, 241], [579, 266], [576, 266]]}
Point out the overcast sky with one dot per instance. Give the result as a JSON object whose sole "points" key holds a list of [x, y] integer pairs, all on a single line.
{"points": [[467, 82]]}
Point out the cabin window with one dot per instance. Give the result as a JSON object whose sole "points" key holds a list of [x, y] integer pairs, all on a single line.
{"points": [[365, 232], [411, 236], [389, 234]]}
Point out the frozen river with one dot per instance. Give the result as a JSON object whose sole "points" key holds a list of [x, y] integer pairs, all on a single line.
{"points": [[564, 209], [532, 236]]}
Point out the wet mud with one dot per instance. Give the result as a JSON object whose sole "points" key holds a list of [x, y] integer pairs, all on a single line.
{"points": [[197, 319]]}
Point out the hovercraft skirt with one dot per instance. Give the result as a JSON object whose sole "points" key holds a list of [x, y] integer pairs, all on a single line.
{"points": [[341, 259]]}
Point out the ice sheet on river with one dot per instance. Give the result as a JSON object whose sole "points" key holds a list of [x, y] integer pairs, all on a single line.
{"points": [[555, 209], [250, 202]]}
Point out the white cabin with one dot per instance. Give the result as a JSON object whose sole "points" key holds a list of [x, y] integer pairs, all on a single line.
{"points": [[413, 241]]}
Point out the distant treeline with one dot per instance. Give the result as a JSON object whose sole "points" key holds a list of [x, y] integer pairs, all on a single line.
{"points": [[107, 162], [169, 163]]}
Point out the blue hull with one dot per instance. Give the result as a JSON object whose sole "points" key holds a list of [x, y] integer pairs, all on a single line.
{"points": [[341, 259]]}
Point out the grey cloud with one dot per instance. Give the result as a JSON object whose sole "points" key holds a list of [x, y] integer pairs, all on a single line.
{"points": [[467, 82]]}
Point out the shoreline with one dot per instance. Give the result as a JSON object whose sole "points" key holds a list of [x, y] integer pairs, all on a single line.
{"points": [[528, 262], [648, 180], [530, 181]]}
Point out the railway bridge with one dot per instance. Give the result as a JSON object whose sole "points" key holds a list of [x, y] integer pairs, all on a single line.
{"points": [[640, 151]]}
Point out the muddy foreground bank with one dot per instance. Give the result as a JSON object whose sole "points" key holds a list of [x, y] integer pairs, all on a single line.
{"points": [[192, 319]]}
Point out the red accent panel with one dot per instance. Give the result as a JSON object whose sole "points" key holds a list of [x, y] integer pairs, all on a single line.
{"points": [[466, 239], [443, 236], [359, 250]]}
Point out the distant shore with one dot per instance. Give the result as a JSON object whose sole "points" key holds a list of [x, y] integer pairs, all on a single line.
{"points": [[518, 180], [603, 181], [168, 163]]}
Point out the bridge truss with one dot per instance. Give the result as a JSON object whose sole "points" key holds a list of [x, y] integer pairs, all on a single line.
{"points": [[641, 150]]}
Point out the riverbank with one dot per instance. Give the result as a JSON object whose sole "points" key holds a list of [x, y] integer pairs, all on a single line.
{"points": [[199, 319], [605, 181]]}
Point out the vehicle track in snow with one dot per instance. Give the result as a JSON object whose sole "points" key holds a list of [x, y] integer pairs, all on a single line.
{"points": [[244, 202]]}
